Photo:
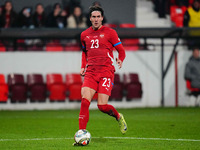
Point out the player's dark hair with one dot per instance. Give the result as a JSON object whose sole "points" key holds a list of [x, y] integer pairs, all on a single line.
{"points": [[96, 8]]}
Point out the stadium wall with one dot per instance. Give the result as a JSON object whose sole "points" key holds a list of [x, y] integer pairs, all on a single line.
{"points": [[146, 64]]}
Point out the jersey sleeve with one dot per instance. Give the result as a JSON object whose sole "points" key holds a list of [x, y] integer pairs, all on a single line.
{"points": [[84, 60], [82, 42], [115, 41]]}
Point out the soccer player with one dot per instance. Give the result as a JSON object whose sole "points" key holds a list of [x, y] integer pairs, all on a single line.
{"points": [[97, 67]]}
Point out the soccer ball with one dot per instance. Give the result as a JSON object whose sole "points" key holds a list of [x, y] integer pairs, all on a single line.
{"points": [[82, 137]]}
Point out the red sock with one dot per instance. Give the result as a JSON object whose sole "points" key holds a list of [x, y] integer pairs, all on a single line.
{"points": [[110, 110], [84, 113]]}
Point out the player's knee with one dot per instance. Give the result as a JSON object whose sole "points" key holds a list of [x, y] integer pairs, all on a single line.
{"points": [[102, 108], [87, 93]]}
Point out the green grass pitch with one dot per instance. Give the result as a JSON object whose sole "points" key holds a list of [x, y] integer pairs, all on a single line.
{"points": [[148, 128]]}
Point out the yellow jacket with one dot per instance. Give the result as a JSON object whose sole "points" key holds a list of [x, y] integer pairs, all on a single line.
{"points": [[194, 18]]}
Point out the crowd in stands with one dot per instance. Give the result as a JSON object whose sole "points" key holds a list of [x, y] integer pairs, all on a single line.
{"points": [[37, 18], [57, 18], [73, 17], [60, 17]]}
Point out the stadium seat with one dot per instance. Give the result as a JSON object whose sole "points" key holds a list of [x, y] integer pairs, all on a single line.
{"points": [[117, 91], [3, 89], [110, 25], [172, 2], [129, 44], [127, 25], [72, 48], [21, 45], [2, 48], [56, 87], [74, 84], [35, 48], [36, 87], [17, 88], [191, 2], [74, 45], [132, 86], [192, 91], [54, 46], [177, 15]]}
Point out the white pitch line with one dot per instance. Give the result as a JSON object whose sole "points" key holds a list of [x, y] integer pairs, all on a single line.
{"points": [[158, 139], [128, 138], [36, 139]]}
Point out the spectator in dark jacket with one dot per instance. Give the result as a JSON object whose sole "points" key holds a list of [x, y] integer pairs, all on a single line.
{"points": [[9, 16], [192, 69], [25, 19], [39, 17], [57, 18]]}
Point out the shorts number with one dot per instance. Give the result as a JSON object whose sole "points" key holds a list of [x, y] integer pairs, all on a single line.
{"points": [[107, 82], [95, 43]]}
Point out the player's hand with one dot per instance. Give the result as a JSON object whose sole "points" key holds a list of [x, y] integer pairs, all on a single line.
{"points": [[119, 62], [82, 72]]}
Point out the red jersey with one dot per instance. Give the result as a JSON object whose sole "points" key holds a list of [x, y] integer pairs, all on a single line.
{"points": [[98, 47]]}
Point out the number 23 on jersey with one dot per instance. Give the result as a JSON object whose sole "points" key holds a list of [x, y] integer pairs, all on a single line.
{"points": [[94, 43]]}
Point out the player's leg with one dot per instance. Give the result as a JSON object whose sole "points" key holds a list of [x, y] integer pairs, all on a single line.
{"points": [[87, 95], [110, 110], [104, 90], [105, 107], [88, 90]]}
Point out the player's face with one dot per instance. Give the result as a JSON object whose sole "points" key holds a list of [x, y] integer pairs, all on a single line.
{"points": [[96, 19]]}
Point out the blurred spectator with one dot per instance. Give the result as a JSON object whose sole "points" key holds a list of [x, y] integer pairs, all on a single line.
{"points": [[57, 18], [39, 17], [96, 3], [76, 20], [160, 7], [192, 15], [192, 19], [192, 69], [1, 11], [25, 19], [9, 16], [182, 3], [72, 4]]}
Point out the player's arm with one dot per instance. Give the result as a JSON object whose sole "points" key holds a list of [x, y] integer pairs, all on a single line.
{"points": [[121, 55], [84, 58], [83, 63], [114, 39]]}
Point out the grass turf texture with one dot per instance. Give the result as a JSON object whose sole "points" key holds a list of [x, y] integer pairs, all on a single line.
{"points": [[54, 130]]}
